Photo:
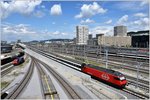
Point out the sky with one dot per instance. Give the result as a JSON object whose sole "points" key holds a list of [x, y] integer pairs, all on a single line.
{"points": [[41, 20]]}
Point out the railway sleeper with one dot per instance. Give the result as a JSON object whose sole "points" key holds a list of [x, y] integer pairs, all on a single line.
{"points": [[48, 86], [50, 93]]}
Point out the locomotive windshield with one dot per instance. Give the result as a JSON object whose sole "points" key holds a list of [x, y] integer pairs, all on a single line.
{"points": [[118, 74]]}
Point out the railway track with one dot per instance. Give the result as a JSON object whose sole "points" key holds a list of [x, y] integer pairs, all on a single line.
{"points": [[132, 78], [121, 59], [126, 57], [18, 89], [139, 95], [132, 60], [71, 93], [6, 65], [121, 65], [111, 63], [49, 91], [140, 85], [5, 69]]}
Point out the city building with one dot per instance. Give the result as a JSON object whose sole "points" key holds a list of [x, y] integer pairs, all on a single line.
{"points": [[120, 31], [120, 38], [120, 41], [82, 33], [18, 41], [6, 48], [140, 38], [93, 41], [90, 36], [3, 42]]}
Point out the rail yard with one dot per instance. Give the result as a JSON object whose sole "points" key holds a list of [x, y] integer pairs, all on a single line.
{"points": [[51, 75]]}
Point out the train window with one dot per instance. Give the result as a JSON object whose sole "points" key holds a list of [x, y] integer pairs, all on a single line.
{"points": [[117, 73]]}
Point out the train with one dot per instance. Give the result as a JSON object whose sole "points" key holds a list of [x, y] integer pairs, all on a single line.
{"points": [[8, 59], [18, 60], [108, 76]]}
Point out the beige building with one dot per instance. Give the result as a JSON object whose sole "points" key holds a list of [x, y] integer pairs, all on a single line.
{"points": [[114, 40]]}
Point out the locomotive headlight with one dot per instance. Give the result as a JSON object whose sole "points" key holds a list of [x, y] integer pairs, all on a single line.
{"points": [[122, 78]]}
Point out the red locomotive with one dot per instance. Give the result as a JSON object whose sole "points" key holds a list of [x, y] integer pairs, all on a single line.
{"points": [[107, 75], [18, 61]]}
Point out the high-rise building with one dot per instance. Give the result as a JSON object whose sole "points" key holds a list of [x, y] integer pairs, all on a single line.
{"points": [[120, 31], [90, 36], [82, 33]]}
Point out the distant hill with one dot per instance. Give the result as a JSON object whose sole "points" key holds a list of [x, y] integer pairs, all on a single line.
{"points": [[63, 40]]}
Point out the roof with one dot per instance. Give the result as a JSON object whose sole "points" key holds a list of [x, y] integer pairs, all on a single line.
{"points": [[139, 33]]}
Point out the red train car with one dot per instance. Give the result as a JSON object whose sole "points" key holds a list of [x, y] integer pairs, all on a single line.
{"points": [[107, 75], [18, 61]]}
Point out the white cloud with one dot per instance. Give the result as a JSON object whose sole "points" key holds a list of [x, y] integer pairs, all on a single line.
{"points": [[12, 32], [58, 33], [16, 6], [20, 29], [144, 2], [122, 20], [109, 21], [90, 10], [39, 14], [140, 15], [56, 10], [106, 30], [141, 24], [87, 21], [63, 33]]}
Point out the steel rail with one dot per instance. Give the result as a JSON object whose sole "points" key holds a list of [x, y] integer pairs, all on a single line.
{"points": [[8, 68], [51, 93], [139, 95], [13, 94], [145, 82], [128, 77], [67, 87]]}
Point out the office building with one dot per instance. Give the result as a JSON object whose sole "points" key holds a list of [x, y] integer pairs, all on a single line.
{"points": [[120, 31], [117, 41], [82, 33]]}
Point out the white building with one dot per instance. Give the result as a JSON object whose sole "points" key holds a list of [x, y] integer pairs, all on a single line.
{"points": [[82, 33]]}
